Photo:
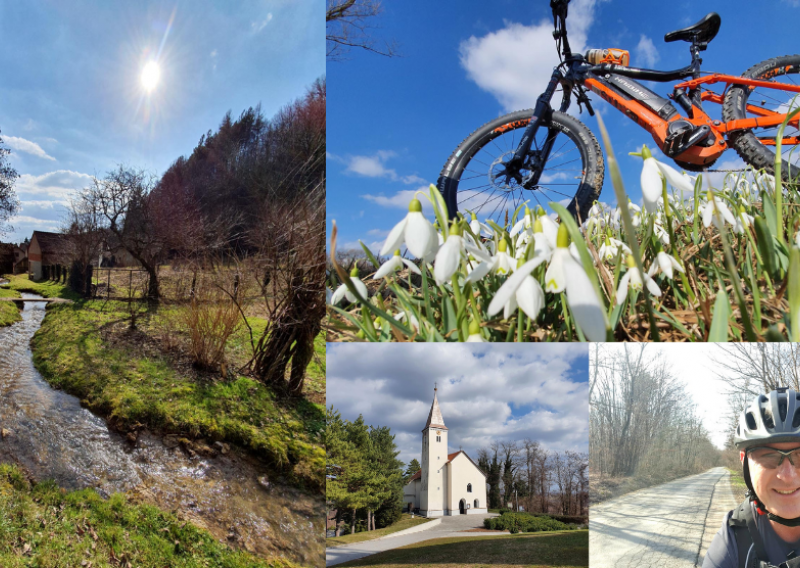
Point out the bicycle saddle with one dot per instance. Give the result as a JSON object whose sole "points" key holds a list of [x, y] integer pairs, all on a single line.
{"points": [[701, 32]]}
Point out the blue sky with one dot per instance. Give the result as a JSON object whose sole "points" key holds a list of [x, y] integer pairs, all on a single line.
{"points": [[392, 122], [73, 104], [487, 393]]}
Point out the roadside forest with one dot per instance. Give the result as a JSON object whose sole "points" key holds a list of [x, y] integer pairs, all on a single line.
{"points": [[643, 428]]}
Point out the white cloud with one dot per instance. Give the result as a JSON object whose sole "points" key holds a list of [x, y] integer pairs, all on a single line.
{"points": [[515, 63], [22, 145], [378, 233], [399, 200], [487, 394], [60, 184], [646, 53], [374, 166], [258, 26], [43, 204]]}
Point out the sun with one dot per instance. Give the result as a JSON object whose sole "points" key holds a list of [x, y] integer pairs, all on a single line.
{"points": [[150, 76]]}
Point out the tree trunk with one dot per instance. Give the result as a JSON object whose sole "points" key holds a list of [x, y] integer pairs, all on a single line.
{"points": [[353, 523]]}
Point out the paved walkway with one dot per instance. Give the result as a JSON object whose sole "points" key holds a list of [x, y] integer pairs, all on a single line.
{"points": [[666, 526], [450, 527]]}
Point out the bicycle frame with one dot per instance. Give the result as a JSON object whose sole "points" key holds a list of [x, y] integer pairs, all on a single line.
{"points": [[687, 93]]}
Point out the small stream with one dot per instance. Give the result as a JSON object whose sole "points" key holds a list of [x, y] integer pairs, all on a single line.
{"points": [[52, 437]]}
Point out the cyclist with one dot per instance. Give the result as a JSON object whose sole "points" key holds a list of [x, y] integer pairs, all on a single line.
{"points": [[764, 530]]}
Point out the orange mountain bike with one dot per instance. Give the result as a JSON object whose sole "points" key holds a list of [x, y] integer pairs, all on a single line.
{"points": [[546, 155]]}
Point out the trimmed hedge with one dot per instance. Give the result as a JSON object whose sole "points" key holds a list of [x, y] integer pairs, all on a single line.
{"points": [[524, 522]]}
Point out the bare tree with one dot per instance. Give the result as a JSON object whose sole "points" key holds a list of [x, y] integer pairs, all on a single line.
{"points": [[85, 237], [8, 199], [349, 23], [124, 199]]}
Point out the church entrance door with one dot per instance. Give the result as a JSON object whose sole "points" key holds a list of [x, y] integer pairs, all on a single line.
{"points": [[462, 507]]}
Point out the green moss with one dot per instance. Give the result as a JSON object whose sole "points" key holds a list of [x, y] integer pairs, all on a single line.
{"points": [[130, 388], [42, 525]]}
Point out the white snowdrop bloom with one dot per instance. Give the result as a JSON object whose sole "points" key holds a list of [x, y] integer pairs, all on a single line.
{"points": [[393, 265], [610, 248], [418, 234], [661, 233], [549, 228], [475, 225], [636, 215], [343, 292], [475, 333], [412, 320], [632, 280], [715, 210], [664, 263], [449, 256], [520, 290], [567, 274], [523, 223], [500, 263], [573, 250], [743, 220], [651, 184]]}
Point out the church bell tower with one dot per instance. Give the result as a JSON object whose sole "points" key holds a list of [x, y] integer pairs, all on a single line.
{"points": [[434, 460]]}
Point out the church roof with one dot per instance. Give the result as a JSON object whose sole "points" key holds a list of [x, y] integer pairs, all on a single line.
{"points": [[417, 475], [435, 419]]}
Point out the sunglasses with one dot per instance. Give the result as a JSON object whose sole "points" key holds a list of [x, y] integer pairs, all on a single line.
{"points": [[770, 458]]}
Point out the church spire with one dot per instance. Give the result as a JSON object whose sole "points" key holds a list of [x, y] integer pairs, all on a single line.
{"points": [[435, 419]]}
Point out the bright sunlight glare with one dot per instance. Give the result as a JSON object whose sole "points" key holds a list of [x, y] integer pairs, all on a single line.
{"points": [[150, 75]]}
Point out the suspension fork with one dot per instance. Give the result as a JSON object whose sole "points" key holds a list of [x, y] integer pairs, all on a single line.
{"points": [[542, 114]]}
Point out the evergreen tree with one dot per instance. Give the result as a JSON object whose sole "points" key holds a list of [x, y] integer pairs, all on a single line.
{"points": [[413, 467]]}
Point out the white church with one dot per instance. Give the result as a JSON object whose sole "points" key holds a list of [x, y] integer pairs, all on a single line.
{"points": [[447, 484]]}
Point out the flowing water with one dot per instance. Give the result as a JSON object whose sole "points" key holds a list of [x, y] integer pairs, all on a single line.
{"points": [[51, 436]]}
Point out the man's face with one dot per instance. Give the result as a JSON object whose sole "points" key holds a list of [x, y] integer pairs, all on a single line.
{"points": [[778, 489]]}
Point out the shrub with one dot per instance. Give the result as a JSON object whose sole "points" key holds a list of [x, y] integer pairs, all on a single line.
{"points": [[525, 522]]}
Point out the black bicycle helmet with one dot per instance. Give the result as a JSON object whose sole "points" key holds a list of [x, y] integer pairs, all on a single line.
{"points": [[770, 419]]}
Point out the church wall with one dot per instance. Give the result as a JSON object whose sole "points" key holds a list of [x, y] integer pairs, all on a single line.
{"points": [[461, 473]]}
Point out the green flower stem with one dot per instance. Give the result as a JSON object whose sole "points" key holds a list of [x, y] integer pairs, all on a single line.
{"points": [[737, 284], [520, 326], [622, 201], [565, 313]]}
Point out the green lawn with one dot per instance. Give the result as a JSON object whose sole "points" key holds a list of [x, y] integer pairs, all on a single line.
{"points": [[405, 522], [9, 312], [508, 551], [44, 526]]}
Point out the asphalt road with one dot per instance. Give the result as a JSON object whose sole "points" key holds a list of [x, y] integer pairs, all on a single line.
{"points": [[449, 527], [666, 526]]}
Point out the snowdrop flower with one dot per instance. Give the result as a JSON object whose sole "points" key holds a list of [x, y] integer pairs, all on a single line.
{"points": [[500, 263], [633, 280], [449, 256], [573, 250], [393, 265], [743, 220], [549, 228], [416, 232], [523, 223], [412, 320], [521, 289], [661, 233], [475, 333], [664, 263], [653, 172], [636, 215], [716, 210], [565, 273], [475, 225], [343, 292], [610, 248]]}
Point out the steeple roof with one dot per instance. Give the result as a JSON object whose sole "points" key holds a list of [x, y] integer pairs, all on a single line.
{"points": [[435, 419]]}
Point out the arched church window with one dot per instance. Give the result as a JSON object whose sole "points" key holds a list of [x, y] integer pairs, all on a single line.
{"points": [[476, 504], [469, 488]]}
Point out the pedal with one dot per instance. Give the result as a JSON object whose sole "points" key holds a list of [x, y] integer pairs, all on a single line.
{"points": [[682, 135]]}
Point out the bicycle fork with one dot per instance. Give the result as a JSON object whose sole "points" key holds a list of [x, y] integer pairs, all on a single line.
{"points": [[542, 114]]}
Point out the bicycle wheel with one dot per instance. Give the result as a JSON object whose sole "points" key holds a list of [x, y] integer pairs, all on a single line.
{"points": [[474, 177], [754, 145]]}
